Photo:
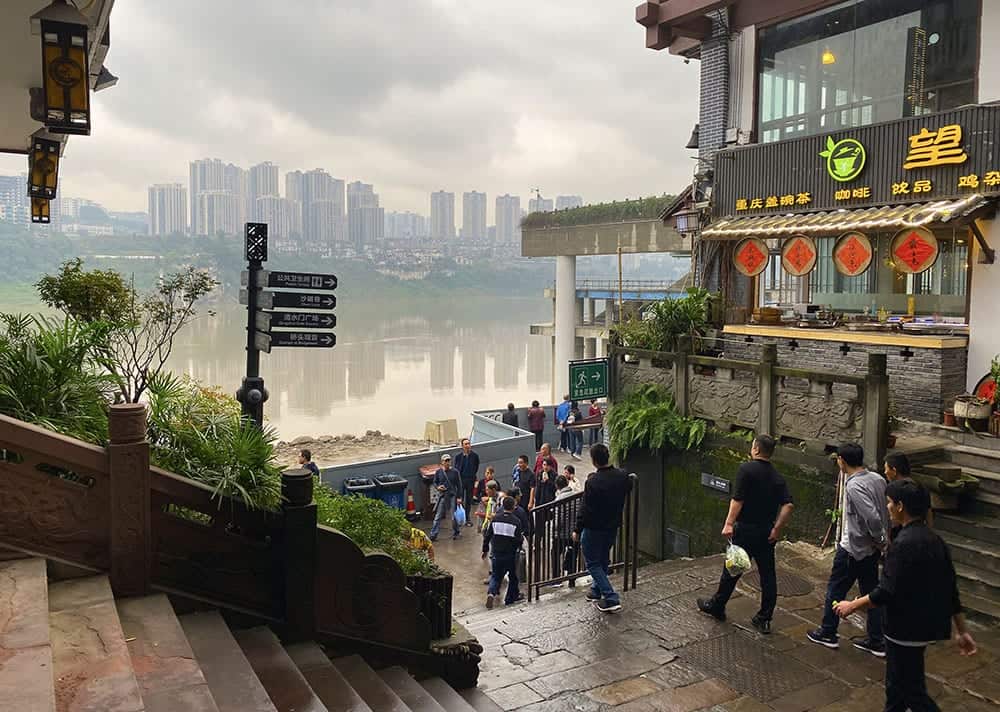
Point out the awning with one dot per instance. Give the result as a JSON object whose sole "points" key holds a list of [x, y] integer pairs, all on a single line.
{"points": [[837, 222]]}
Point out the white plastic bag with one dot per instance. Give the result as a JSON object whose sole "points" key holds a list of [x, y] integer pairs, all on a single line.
{"points": [[737, 560]]}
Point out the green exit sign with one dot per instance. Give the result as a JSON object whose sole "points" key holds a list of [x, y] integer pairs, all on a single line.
{"points": [[588, 379]]}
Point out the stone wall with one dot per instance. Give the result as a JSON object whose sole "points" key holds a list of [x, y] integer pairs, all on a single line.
{"points": [[922, 385]]}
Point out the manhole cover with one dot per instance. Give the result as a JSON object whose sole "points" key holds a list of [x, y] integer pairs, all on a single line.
{"points": [[748, 666], [788, 583]]}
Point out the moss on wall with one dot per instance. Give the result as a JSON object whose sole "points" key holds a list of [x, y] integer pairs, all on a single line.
{"points": [[700, 512]]}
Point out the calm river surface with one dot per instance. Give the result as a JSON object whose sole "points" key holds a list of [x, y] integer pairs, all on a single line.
{"points": [[394, 367]]}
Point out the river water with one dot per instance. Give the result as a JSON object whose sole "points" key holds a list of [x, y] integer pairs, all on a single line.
{"points": [[395, 366]]}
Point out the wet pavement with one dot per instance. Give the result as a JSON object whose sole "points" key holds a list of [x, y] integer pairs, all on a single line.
{"points": [[562, 654]]}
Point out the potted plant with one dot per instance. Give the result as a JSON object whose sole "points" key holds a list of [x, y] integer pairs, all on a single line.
{"points": [[995, 377], [973, 412]]}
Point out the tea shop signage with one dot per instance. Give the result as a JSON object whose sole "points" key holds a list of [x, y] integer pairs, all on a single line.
{"points": [[947, 155]]}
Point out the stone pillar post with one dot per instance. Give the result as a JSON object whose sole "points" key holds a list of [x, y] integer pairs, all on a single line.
{"points": [[681, 374], [767, 401], [565, 324], [589, 347], [876, 409], [129, 515], [299, 555]]}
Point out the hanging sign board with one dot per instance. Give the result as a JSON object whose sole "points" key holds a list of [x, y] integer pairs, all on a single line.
{"points": [[750, 256], [798, 255], [853, 254], [914, 250]]}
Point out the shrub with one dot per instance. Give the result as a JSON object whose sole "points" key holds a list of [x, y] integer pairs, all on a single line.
{"points": [[48, 376], [640, 209], [198, 432], [373, 526], [647, 418], [662, 324]]}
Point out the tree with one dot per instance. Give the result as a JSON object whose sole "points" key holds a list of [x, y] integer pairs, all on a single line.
{"points": [[141, 328], [88, 296]]}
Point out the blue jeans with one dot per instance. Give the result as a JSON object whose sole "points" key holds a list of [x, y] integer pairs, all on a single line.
{"points": [[504, 566], [445, 506], [596, 545], [576, 442], [596, 435], [847, 570]]}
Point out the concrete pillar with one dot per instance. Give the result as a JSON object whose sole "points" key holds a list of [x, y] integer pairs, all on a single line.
{"points": [[609, 312], [579, 313], [565, 324], [589, 347], [601, 348]]}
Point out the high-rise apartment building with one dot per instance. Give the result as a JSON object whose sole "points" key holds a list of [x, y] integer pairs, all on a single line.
{"points": [[566, 202], [365, 219], [280, 214], [474, 216], [508, 219], [219, 212], [15, 206], [210, 176], [262, 182], [405, 226], [322, 199], [442, 215], [168, 209], [540, 205]]}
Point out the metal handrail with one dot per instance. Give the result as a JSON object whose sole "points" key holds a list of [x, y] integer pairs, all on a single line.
{"points": [[551, 546]]}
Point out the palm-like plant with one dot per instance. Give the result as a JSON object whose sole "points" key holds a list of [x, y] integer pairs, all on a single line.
{"points": [[647, 418]]}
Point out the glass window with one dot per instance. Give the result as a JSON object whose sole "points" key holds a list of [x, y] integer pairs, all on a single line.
{"points": [[864, 62], [939, 290]]}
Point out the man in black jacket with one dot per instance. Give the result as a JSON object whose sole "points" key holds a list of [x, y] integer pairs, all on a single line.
{"points": [[505, 534], [467, 464], [919, 597], [597, 525], [510, 416]]}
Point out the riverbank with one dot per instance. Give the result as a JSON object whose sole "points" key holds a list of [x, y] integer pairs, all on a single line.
{"points": [[328, 450]]}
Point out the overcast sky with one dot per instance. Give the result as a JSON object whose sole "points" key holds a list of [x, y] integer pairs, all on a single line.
{"points": [[413, 96]]}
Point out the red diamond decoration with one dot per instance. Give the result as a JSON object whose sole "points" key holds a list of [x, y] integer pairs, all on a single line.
{"points": [[915, 251], [853, 256], [800, 256], [751, 257]]}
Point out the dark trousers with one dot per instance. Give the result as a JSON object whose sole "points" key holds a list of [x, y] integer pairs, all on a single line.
{"points": [[846, 570], [905, 685], [564, 439], [761, 551], [563, 557], [538, 439], [468, 484], [505, 565]]}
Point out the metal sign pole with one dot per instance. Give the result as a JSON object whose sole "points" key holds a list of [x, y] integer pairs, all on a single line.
{"points": [[252, 395]]}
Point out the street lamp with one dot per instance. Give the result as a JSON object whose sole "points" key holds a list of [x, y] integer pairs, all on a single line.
{"points": [[43, 166], [65, 67], [687, 222]]}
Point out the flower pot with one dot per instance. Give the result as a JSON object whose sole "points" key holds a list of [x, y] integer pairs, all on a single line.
{"points": [[970, 408], [949, 418]]}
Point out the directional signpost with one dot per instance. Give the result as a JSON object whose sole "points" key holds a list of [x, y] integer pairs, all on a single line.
{"points": [[269, 329], [588, 379]]}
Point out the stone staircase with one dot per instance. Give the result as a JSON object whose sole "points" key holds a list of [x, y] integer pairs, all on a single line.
{"points": [[973, 532], [70, 646]]}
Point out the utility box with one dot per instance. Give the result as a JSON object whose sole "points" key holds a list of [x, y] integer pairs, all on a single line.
{"points": [[441, 432]]}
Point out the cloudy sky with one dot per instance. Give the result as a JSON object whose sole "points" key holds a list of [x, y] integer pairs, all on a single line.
{"points": [[412, 96]]}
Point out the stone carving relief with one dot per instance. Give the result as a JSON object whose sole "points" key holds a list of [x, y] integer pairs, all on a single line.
{"points": [[634, 374], [722, 399], [817, 416]]}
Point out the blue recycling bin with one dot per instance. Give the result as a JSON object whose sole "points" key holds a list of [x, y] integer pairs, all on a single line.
{"points": [[360, 486], [391, 489]]}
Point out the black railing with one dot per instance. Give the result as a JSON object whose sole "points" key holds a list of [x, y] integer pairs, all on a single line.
{"points": [[553, 557]]}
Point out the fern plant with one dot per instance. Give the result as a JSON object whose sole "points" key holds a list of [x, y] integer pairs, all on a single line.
{"points": [[648, 418]]}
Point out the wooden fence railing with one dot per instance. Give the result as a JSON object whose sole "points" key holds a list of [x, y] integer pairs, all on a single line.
{"points": [[107, 510]]}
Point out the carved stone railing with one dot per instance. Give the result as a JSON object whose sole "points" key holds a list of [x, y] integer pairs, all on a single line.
{"points": [[107, 510], [819, 408]]}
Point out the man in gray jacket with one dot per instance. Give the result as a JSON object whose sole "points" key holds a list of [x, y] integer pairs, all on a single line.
{"points": [[863, 536]]}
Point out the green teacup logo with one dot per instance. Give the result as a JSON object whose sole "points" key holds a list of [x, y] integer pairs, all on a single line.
{"points": [[845, 159]]}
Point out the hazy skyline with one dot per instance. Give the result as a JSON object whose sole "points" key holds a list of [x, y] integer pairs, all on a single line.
{"points": [[412, 97]]}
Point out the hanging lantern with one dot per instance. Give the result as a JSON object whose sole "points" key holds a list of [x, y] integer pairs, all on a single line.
{"points": [[65, 67], [40, 211], [43, 166]]}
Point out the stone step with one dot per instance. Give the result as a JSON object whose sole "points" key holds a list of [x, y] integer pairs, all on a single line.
{"points": [[986, 504], [947, 472], [326, 680], [978, 458], [26, 681], [372, 688], [989, 481], [479, 700], [980, 608], [979, 582], [446, 695], [279, 675], [981, 555], [409, 690], [165, 667], [91, 663], [232, 681], [970, 526]]}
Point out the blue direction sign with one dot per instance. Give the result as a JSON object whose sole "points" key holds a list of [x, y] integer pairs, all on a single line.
{"points": [[294, 320]]}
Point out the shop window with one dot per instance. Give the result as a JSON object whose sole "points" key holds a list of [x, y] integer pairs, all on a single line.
{"points": [[864, 62]]}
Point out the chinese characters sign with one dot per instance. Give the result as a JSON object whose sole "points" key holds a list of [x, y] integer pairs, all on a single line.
{"points": [[917, 159], [588, 379], [852, 254], [914, 250], [798, 255], [751, 256]]}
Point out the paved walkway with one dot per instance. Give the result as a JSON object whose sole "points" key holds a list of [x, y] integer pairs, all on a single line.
{"points": [[660, 653]]}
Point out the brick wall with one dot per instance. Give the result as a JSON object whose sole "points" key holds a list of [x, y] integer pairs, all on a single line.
{"points": [[920, 387], [714, 96]]}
